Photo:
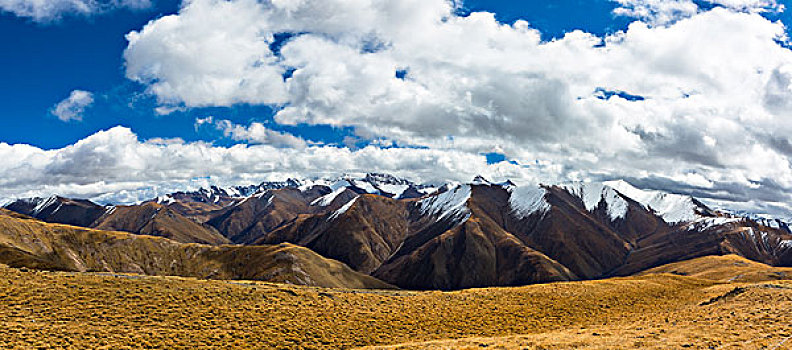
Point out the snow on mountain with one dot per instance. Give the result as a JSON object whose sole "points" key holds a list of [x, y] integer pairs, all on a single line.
{"points": [[395, 190], [763, 219], [325, 200], [389, 185], [706, 223], [343, 209], [673, 208], [32, 202], [165, 200], [306, 184], [450, 203], [43, 203], [775, 223], [592, 194], [758, 237], [527, 200], [364, 185], [507, 185], [428, 190], [480, 180], [377, 179]]}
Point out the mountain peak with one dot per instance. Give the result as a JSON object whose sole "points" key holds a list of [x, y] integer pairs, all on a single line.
{"points": [[673, 208], [385, 179], [480, 180], [592, 194]]}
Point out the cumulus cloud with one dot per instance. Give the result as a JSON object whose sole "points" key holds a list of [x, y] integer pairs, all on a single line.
{"points": [[115, 165], [662, 12], [51, 10], [255, 133], [73, 107], [208, 55]]}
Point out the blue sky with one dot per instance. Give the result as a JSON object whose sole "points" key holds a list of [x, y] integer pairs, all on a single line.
{"points": [[43, 62]]}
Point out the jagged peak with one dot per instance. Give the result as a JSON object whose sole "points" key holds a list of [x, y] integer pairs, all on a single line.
{"points": [[480, 180], [507, 184], [593, 193], [673, 208], [451, 203], [343, 209], [381, 178], [525, 201]]}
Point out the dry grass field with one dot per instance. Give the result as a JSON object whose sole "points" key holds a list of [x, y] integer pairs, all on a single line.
{"points": [[43, 310]]}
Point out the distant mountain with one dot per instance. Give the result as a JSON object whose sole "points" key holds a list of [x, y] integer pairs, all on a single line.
{"points": [[450, 236], [149, 218], [78, 212], [156, 220]]}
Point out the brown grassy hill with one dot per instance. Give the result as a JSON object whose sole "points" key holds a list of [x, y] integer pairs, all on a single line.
{"points": [[88, 311], [476, 253], [34, 244], [254, 217], [745, 238], [200, 212], [156, 220], [727, 268], [363, 237]]}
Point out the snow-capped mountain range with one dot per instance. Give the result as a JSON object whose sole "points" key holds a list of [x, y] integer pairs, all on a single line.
{"points": [[525, 200], [422, 236], [373, 183]]}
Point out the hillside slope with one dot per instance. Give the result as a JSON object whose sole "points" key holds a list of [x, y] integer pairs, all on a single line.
{"points": [[31, 243], [156, 220], [724, 268], [56, 209]]}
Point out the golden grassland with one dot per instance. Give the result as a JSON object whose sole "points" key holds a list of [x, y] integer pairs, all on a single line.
{"points": [[94, 311], [728, 268]]}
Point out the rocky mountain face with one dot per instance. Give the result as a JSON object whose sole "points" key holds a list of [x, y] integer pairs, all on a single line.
{"points": [[55, 209], [146, 219], [156, 220], [452, 236]]}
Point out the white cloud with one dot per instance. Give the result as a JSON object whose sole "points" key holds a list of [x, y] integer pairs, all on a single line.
{"points": [[256, 133], [208, 55], [73, 107], [115, 165], [668, 11], [52, 10], [656, 11]]}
